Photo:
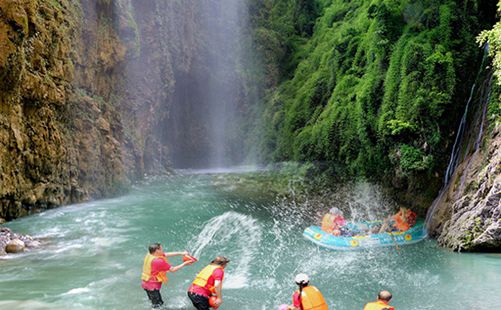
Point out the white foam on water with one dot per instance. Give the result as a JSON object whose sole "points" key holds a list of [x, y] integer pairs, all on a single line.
{"points": [[69, 247], [79, 290], [222, 170], [219, 231], [31, 305]]}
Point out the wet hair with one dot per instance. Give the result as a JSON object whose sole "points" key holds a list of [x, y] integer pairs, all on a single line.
{"points": [[303, 284], [220, 260], [384, 295], [154, 247]]}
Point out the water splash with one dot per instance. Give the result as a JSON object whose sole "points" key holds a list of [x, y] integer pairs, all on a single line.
{"points": [[218, 232]]}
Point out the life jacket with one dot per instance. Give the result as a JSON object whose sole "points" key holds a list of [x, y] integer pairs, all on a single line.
{"points": [[378, 305], [328, 223], [401, 220], [312, 299], [147, 276], [203, 277]]}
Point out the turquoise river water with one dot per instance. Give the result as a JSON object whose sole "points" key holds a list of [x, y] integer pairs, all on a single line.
{"points": [[92, 256]]}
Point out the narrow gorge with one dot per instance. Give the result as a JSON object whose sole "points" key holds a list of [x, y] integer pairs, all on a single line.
{"points": [[97, 94], [357, 142]]}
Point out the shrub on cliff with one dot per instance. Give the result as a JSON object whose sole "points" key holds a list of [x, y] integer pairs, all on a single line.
{"points": [[378, 87]]}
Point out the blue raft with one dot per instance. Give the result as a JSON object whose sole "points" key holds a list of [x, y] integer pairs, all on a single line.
{"points": [[364, 241]]}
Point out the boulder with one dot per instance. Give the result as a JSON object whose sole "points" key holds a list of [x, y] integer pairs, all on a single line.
{"points": [[2, 221], [15, 246]]}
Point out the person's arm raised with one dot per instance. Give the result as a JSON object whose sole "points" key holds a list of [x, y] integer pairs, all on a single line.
{"points": [[176, 268], [170, 254]]}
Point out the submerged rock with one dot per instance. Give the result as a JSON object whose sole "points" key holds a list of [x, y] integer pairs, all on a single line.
{"points": [[15, 246], [15, 243]]}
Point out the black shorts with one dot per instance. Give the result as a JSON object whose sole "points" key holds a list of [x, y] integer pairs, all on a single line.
{"points": [[200, 302], [155, 298]]}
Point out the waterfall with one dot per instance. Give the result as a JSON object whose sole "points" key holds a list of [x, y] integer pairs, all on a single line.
{"points": [[456, 148], [225, 23], [185, 80], [459, 152], [204, 126], [484, 113]]}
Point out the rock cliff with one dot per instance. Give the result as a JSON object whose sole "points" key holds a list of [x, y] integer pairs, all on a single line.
{"points": [[63, 122], [96, 93], [467, 213]]}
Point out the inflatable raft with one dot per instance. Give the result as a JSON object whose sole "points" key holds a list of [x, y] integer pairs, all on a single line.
{"points": [[362, 241]]}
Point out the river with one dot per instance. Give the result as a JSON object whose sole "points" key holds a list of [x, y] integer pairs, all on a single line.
{"points": [[93, 252]]}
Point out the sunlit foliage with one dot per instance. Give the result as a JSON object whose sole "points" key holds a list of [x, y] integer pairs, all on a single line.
{"points": [[376, 86]]}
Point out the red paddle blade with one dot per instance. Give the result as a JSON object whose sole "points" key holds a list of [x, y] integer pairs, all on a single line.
{"points": [[189, 258]]}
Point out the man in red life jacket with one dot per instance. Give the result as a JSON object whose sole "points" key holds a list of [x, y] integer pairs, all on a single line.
{"points": [[155, 268], [382, 302], [209, 282]]}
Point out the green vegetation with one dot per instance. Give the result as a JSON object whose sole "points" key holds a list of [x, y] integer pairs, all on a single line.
{"points": [[493, 37], [375, 87]]}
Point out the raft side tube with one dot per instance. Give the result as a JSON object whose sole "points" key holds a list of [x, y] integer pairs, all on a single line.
{"points": [[350, 243]]}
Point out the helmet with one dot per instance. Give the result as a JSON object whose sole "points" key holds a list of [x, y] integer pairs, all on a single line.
{"points": [[302, 279], [335, 210]]}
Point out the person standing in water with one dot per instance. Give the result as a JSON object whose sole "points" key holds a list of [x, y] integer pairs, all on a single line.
{"points": [[382, 302], [208, 282], [155, 268], [307, 297]]}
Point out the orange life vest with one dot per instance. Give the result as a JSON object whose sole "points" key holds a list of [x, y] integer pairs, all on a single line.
{"points": [[400, 219], [328, 223], [378, 305], [203, 277], [312, 299], [147, 276]]}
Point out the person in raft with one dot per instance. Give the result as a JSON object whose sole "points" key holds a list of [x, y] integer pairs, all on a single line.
{"points": [[402, 221], [155, 268], [208, 282], [307, 297], [382, 302], [333, 221]]}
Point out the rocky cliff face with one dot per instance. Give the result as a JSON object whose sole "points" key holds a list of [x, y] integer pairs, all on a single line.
{"points": [[467, 214], [94, 93], [61, 121], [40, 164]]}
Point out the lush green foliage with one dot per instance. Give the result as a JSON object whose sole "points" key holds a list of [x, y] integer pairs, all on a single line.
{"points": [[375, 86], [493, 37]]}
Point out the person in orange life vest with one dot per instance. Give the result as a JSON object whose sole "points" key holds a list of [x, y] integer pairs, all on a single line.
{"points": [[333, 221], [307, 297], [208, 282], [403, 220], [382, 302], [155, 268]]}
